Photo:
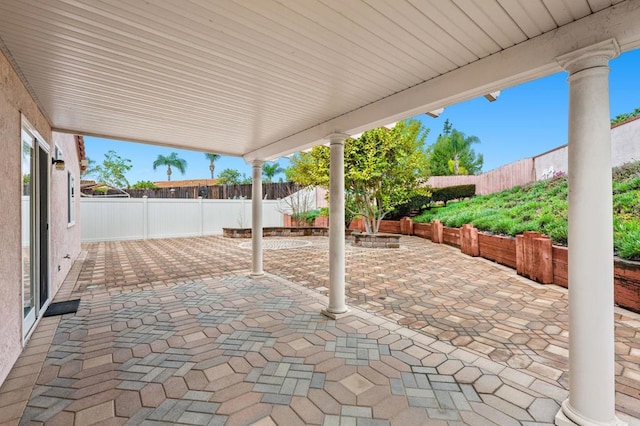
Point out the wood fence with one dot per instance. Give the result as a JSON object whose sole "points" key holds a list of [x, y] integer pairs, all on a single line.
{"points": [[270, 191], [520, 172]]}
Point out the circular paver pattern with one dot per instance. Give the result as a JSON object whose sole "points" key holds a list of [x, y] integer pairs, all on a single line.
{"points": [[278, 244]]}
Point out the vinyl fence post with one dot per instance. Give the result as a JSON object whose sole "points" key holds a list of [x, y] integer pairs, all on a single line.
{"points": [[200, 204], [145, 217]]}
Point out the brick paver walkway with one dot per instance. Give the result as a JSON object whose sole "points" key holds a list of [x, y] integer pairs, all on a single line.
{"points": [[175, 331]]}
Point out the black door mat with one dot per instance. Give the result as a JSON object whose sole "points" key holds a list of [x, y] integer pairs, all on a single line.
{"points": [[61, 308]]}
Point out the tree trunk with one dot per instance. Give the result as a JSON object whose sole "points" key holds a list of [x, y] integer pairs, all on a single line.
{"points": [[212, 168], [169, 173], [368, 225]]}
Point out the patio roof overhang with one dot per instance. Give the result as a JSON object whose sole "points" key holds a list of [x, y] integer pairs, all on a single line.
{"points": [[262, 79]]}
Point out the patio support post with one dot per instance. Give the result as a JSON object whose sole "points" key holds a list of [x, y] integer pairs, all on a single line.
{"points": [[591, 324], [256, 219], [337, 303]]}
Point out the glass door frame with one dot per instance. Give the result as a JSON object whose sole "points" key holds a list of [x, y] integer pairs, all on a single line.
{"points": [[39, 148]]}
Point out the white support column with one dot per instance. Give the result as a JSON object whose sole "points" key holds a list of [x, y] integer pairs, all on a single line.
{"points": [[256, 219], [591, 333], [337, 303]]}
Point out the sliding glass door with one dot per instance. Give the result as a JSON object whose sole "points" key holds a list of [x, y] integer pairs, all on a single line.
{"points": [[35, 226], [28, 213]]}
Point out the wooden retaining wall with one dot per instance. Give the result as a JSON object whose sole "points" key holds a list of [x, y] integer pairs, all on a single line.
{"points": [[499, 249], [626, 287], [531, 254], [561, 266]]}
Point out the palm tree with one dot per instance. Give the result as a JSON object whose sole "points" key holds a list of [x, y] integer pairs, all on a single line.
{"points": [[212, 158], [269, 170], [170, 160]]}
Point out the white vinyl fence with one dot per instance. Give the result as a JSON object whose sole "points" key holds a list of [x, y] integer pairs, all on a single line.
{"points": [[115, 219]]}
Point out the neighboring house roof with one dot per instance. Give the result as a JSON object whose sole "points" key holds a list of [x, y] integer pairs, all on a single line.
{"points": [[88, 188], [80, 149], [187, 182]]}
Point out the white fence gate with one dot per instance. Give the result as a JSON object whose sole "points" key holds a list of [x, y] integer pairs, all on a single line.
{"points": [[116, 219]]}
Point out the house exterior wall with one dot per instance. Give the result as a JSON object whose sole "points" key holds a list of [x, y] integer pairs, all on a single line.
{"points": [[14, 101], [65, 237]]}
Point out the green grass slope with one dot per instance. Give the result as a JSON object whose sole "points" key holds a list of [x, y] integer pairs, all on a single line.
{"points": [[542, 207]]}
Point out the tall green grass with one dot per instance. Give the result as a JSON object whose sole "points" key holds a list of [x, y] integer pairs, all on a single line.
{"points": [[542, 207]]}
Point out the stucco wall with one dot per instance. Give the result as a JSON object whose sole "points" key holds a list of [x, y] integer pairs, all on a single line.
{"points": [[625, 147], [625, 139], [556, 160], [14, 99], [65, 238]]}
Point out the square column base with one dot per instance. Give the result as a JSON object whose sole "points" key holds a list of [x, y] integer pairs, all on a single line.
{"points": [[333, 315]]}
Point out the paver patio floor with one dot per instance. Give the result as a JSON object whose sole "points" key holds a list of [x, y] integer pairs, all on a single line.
{"points": [[175, 331]]}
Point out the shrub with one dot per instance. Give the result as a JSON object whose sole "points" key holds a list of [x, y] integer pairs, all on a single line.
{"points": [[453, 193], [627, 238], [503, 225], [417, 202], [626, 171], [457, 220], [310, 216], [558, 232], [520, 227], [426, 216], [542, 207], [144, 184]]}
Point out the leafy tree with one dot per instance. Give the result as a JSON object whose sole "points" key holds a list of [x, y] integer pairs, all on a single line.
{"points": [[269, 170], [212, 159], [112, 170], [309, 168], [246, 180], [229, 176], [383, 168], [452, 154], [170, 160], [144, 184]]}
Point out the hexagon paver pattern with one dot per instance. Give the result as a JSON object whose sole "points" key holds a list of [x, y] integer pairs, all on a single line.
{"points": [[175, 331]]}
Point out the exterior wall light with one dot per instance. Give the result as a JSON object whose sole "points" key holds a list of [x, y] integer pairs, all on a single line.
{"points": [[435, 113], [58, 163], [492, 96]]}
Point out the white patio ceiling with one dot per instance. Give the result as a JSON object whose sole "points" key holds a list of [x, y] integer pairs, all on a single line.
{"points": [[264, 78]]}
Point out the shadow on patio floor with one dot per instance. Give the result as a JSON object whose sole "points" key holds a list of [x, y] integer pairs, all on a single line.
{"points": [[175, 331]]}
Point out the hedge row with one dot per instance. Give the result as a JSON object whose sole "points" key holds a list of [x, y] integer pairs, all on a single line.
{"points": [[453, 193], [421, 202]]}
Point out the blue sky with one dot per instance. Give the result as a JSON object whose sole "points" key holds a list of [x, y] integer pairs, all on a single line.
{"points": [[526, 120]]}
